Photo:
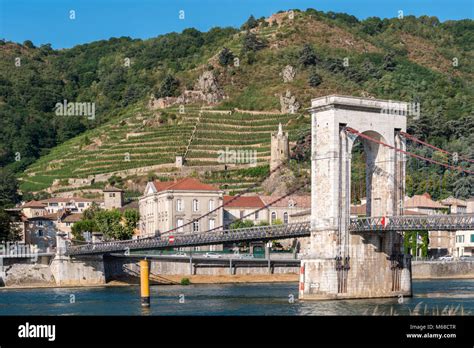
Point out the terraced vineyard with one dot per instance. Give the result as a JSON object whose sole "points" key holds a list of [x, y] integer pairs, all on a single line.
{"points": [[139, 138]]}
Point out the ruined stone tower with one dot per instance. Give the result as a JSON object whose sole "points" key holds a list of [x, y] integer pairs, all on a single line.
{"points": [[280, 148]]}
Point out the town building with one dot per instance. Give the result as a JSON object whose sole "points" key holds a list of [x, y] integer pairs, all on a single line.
{"points": [[73, 204], [464, 243], [168, 205], [455, 205], [113, 198], [244, 207], [441, 243], [425, 205]]}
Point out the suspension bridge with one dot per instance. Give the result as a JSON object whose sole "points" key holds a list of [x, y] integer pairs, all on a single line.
{"points": [[327, 270]]}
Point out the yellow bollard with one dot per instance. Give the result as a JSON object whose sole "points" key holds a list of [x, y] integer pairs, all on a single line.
{"points": [[145, 282]]}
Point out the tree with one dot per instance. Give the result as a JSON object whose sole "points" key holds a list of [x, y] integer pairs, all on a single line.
{"points": [[314, 79], [464, 187], [28, 44], [277, 222], [372, 25], [389, 63], [108, 222], [8, 230], [89, 213], [82, 226], [250, 23], [370, 70], [241, 224], [115, 180], [307, 56], [131, 218], [251, 43], [8, 189], [226, 57], [169, 87], [115, 225], [334, 65]]}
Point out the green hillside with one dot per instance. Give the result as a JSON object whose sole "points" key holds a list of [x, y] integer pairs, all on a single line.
{"points": [[411, 59]]}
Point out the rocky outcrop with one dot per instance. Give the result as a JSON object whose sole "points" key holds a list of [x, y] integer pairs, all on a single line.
{"points": [[288, 103], [205, 90], [20, 274], [288, 73], [276, 184]]}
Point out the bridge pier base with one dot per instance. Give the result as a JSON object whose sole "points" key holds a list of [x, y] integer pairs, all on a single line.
{"points": [[83, 270], [369, 271]]}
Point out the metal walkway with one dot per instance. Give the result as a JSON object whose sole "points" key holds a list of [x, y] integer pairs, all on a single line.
{"points": [[452, 222]]}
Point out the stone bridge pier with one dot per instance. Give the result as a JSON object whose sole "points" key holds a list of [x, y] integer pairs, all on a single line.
{"points": [[83, 270], [342, 264]]}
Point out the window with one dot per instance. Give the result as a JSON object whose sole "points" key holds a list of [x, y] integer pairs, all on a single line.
{"points": [[291, 203], [274, 216], [195, 205], [40, 233], [285, 217], [40, 223], [256, 215], [472, 238], [179, 205], [80, 205], [53, 204], [212, 224], [111, 194], [180, 222], [241, 214], [211, 205], [196, 226], [68, 224]]}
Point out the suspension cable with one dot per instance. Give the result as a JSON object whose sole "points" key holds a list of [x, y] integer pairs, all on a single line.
{"points": [[247, 190], [411, 137], [353, 131]]}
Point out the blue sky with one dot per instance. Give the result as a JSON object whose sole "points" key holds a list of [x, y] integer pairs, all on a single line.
{"points": [[47, 21]]}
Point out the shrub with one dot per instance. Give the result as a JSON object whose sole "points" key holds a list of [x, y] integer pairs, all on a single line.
{"points": [[185, 281], [314, 79], [307, 56], [226, 57], [252, 43]]}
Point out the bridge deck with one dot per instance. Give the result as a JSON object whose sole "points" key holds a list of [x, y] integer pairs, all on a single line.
{"points": [[452, 222]]}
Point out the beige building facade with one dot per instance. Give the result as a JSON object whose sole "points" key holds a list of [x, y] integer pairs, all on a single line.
{"points": [[170, 205]]}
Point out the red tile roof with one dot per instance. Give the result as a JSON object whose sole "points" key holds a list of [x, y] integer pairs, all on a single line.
{"points": [[422, 201], [72, 217], [33, 204], [186, 184], [67, 200], [298, 201], [112, 189], [454, 201], [244, 202]]}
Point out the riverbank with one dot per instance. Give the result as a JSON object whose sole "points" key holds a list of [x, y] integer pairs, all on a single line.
{"points": [[126, 272], [176, 280]]}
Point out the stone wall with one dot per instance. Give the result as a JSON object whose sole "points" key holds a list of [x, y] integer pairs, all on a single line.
{"points": [[437, 269], [26, 275], [86, 270]]}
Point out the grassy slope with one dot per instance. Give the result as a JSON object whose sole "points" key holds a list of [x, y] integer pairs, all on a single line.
{"points": [[424, 71]]}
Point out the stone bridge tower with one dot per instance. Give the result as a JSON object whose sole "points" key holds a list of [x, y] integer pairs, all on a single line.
{"points": [[343, 264]]}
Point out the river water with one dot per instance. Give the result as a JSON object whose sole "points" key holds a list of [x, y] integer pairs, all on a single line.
{"points": [[229, 299]]}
